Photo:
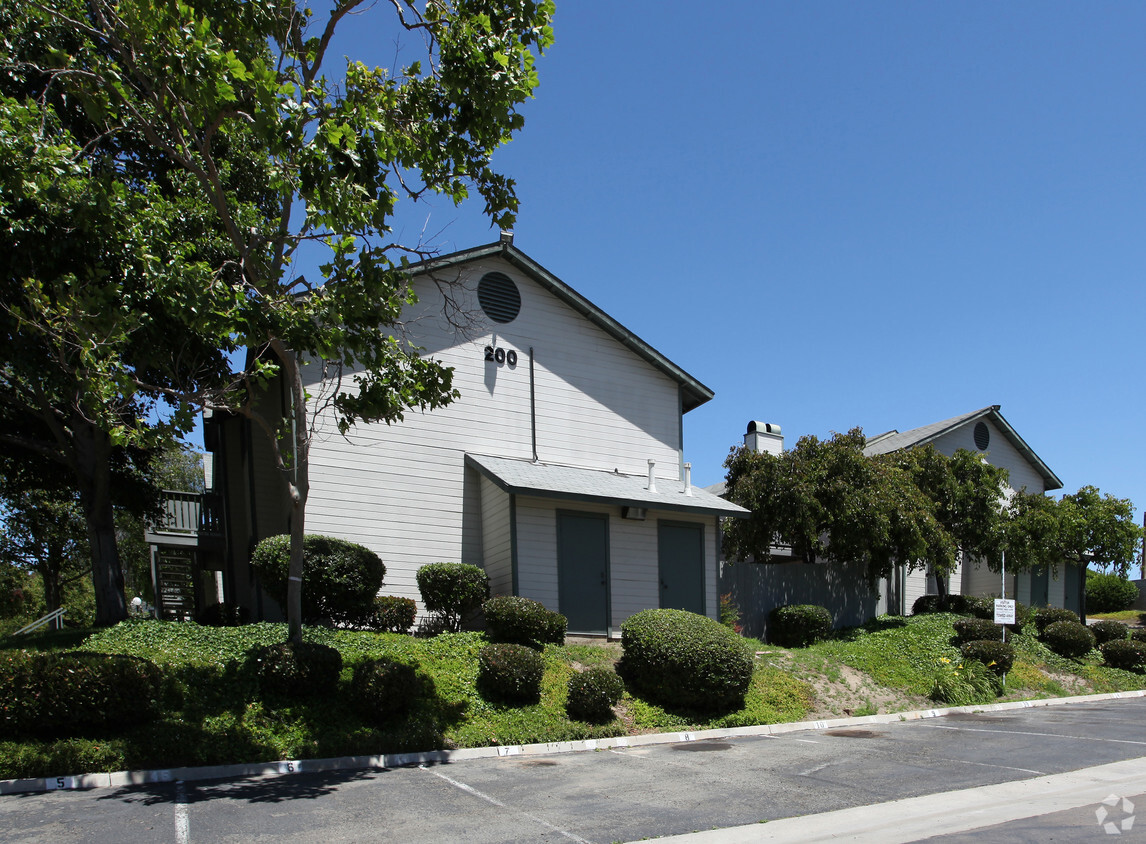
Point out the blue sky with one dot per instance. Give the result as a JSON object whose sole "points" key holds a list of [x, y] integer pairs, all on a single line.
{"points": [[839, 214]]}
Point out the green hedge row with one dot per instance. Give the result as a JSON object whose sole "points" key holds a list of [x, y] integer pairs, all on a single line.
{"points": [[69, 693]]}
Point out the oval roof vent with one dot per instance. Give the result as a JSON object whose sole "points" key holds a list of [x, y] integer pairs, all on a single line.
{"points": [[982, 436], [499, 297]]}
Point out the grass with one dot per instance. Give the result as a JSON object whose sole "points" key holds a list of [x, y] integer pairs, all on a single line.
{"points": [[212, 712], [1129, 616]]}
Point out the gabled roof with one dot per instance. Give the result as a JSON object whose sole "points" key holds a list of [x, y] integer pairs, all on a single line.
{"points": [[548, 480], [895, 441], [693, 393]]}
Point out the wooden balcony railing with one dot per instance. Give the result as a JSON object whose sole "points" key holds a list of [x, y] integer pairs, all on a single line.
{"points": [[190, 514]]}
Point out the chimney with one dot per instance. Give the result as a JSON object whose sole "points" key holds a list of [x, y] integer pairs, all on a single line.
{"points": [[688, 479], [764, 437]]}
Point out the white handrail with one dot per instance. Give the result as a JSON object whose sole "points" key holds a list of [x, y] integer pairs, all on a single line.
{"points": [[55, 616]]}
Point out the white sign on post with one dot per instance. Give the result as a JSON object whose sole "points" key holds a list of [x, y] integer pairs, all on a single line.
{"points": [[1004, 611]]}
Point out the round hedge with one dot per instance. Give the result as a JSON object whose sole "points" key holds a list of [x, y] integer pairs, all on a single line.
{"points": [[1049, 615], [592, 694], [392, 614], [523, 621], [1068, 638], [339, 578], [1109, 593], [303, 670], [63, 694], [452, 590], [510, 673], [798, 625], [998, 656], [1108, 630], [681, 659], [976, 630], [1138, 634], [383, 688], [1127, 654]]}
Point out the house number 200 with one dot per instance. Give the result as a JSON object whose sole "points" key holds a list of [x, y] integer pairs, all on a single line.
{"points": [[501, 355]]}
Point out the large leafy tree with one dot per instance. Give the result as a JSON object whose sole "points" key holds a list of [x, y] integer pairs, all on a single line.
{"points": [[45, 534], [1083, 528], [967, 496], [231, 106], [103, 260], [825, 498]]}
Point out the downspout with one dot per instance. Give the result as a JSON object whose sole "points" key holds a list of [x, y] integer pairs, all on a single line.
{"points": [[532, 412]]}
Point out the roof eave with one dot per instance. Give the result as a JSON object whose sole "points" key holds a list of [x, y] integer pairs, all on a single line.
{"points": [[693, 392]]}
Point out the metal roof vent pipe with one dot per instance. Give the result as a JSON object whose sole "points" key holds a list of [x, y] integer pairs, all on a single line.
{"points": [[688, 479], [652, 480], [764, 438]]}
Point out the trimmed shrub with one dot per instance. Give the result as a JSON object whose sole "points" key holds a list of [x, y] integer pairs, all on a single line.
{"points": [[1068, 638], [523, 621], [976, 630], [592, 694], [392, 614], [339, 579], [291, 670], [1109, 592], [383, 688], [510, 673], [1049, 615], [61, 694], [1138, 634], [798, 625], [452, 590], [957, 604], [998, 656], [681, 659], [1127, 654], [1108, 630], [225, 614], [980, 607]]}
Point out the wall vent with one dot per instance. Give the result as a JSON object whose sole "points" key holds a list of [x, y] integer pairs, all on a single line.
{"points": [[499, 297]]}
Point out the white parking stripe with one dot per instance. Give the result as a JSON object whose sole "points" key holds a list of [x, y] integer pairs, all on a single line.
{"points": [[1027, 733], [469, 789], [182, 814]]}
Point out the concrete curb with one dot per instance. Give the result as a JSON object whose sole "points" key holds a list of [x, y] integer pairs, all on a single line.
{"points": [[288, 767]]}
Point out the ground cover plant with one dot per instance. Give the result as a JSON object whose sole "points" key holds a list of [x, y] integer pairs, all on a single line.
{"points": [[210, 710]]}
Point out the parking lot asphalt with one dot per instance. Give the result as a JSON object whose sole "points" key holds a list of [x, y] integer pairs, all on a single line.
{"points": [[933, 769]]}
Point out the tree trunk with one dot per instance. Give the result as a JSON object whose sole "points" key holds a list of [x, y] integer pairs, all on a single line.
{"points": [[50, 569], [93, 475], [298, 485], [940, 584]]}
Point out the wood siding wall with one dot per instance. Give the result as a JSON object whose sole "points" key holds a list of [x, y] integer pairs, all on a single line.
{"points": [[497, 546], [634, 583], [999, 452], [403, 490]]}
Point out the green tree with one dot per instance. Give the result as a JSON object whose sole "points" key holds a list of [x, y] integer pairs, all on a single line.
{"points": [[221, 114], [46, 535], [103, 257], [967, 497], [1079, 529], [825, 498]]}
